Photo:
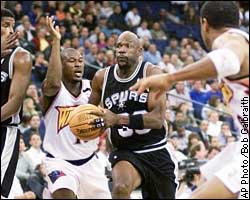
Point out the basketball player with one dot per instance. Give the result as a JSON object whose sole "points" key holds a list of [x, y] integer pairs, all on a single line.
{"points": [[15, 75], [229, 61], [140, 156], [74, 170]]}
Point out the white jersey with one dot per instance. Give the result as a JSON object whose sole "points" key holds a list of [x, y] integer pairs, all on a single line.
{"points": [[59, 141], [236, 93]]}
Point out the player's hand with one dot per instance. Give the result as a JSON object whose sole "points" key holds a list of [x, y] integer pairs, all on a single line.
{"points": [[54, 30], [106, 118], [29, 195], [158, 84], [9, 43]]}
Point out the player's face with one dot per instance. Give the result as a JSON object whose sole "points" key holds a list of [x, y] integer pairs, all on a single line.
{"points": [[73, 66], [7, 27], [127, 52]]}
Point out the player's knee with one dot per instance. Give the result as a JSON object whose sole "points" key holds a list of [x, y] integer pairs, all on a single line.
{"points": [[121, 190]]}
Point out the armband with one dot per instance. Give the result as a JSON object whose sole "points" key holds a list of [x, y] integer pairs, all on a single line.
{"points": [[225, 61], [136, 121]]}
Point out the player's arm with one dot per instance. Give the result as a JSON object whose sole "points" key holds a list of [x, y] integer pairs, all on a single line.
{"points": [[22, 65], [52, 82], [225, 60], [97, 82]]}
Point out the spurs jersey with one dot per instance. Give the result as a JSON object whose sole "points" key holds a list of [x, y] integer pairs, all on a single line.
{"points": [[6, 77], [59, 141], [236, 93], [117, 97]]}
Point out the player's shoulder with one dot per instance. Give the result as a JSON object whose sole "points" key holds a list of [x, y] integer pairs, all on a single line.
{"points": [[153, 69], [22, 55]]}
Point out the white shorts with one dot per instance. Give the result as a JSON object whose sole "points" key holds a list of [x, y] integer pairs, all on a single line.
{"points": [[226, 167], [86, 181]]}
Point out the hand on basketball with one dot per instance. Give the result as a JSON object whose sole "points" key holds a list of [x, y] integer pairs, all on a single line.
{"points": [[9, 43], [106, 118], [54, 31]]}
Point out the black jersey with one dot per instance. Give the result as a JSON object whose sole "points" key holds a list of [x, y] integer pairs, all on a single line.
{"points": [[117, 98], [6, 77]]}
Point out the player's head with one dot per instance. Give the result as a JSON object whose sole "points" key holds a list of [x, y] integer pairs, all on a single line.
{"points": [[72, 63], [7, 23], [218, 15], [128, 49]]}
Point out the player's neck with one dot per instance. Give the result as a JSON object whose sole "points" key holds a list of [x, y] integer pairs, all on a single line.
{"points": [[126, 71], [73, 87], [215, 33]]}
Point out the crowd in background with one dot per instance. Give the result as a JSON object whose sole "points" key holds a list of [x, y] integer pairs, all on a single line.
{"points": [[199, 123]]}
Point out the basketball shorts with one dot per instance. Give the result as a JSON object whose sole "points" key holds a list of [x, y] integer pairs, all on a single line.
{"points": [[9, 156], [87, 181], [226, 167], [157, 169]]}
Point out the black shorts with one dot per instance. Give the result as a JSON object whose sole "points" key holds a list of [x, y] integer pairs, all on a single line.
{"points": [[9, 155], [156, 169]]}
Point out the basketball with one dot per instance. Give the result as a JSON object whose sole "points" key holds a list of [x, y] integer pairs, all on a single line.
{"points": [[78, 122]]}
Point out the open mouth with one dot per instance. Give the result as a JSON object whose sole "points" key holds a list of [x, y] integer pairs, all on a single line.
{"points": [[78, 74]]}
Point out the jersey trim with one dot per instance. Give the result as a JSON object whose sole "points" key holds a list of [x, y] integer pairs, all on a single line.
{"points": [[153, 147], [125, 80], [105, 78]]}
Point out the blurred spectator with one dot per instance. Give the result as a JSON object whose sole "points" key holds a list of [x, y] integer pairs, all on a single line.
{"points": [[75, 42], [197, 52], [152, 55], [25, 123], [74, 31], [116, 20], [198, 95], [37, 182], [214, 89], [132, 18], [41, 22], [213, 103], [66, 44], [60, 10], [193, 139], [35, 13], [157, 33], [143, 31], [91, 57], [84, 35], [29, 46], [35, 122], [33, 93], [89, 71], [205, 138], [94, 35], [50, 8], [212, 152], [214, 125], [106, 9], [110, 45], [182, 137], [190, 17], [215, 142], [165, 64], [28, 30], [110, 58], [178, 91], [35, 152], [173, 47], [169, 121], [38, 73], [187, 110], [198, 151], [173, 145], [101, 41], [18, 12], [40, 41], [90, 22], [24, 165], [178, 64], [225, 133], [75, 8], [29, 107]]}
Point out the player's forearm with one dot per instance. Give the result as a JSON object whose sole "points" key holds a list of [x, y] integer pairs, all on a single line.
{"points": [[10, 108], [54, 73], [201, 70]]}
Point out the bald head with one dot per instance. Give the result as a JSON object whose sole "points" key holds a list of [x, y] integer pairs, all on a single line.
{"points": [[130, 37], [68, 52]]}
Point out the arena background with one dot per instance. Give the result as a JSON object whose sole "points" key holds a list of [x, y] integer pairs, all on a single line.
{"points": [[200, 124]]}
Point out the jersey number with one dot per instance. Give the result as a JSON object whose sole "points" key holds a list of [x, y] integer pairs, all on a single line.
{"points": [[126, 132]]}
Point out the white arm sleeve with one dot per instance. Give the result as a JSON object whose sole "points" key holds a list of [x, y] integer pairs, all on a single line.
{"points": [[225, 61]]}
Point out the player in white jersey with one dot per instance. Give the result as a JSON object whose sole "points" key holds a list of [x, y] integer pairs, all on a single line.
{"points": [[73, 168], [229, 61]]}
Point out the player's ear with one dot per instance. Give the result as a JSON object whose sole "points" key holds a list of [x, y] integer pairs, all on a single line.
{"points": [[140, 50], [205, 24]]}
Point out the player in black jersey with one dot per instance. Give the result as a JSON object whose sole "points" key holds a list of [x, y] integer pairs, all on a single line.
{"points": [[16, 66], [140, 157]]}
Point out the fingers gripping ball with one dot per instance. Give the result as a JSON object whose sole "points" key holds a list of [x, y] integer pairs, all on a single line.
{"points": [[79, 120]]}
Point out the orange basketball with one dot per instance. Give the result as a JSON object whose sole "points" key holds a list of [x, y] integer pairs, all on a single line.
{"points": [[78, 122]]}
